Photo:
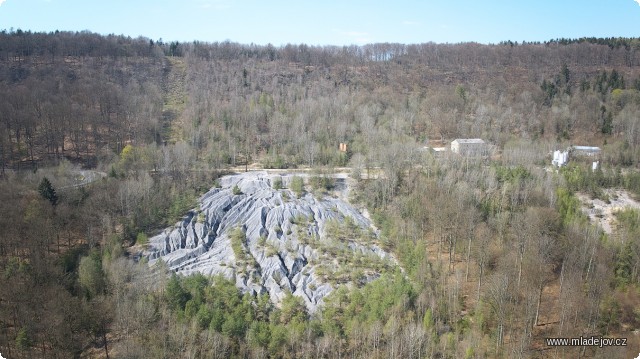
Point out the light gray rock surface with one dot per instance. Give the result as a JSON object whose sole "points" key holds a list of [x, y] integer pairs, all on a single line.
{"points": [[304, 245]]}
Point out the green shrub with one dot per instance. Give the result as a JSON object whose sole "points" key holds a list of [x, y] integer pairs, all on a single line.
{"points": [[201, 217], [176, 295], [297, 185], [259, 334], [238, 239], [23, 341], [142, 239], [179, 206], [236, 190], [322, 183], [271, 251], [569, 207], [91, 276], [629, 218], [512, 174], [277, 162], [277, 183], [299, 219]]}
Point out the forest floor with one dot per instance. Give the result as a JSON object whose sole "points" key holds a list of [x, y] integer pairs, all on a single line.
{"points": [[467, 285]]}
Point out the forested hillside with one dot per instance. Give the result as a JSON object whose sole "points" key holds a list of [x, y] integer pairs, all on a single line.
{"points": [[105, 140]]}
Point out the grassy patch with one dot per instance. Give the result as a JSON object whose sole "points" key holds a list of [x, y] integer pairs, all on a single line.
{"points": [[142, 239], [277, 183], [297, 186]]}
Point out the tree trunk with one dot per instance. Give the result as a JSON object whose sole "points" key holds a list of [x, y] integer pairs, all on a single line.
{"points": [[535, 322], [520, 269], [104, 339], [466, 276], [586, 279], [561, 276], [480, 281], [562, 317]]}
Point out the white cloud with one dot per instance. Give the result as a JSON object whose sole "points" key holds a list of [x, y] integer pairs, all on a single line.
{"points": [[638, 1], [1, 1], [415, 23]]}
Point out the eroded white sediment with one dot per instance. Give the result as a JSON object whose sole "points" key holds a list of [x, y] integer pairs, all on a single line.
{"points": [[279, 261]]}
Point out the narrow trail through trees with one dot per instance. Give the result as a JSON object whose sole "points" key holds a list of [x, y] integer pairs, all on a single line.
{"points": [[174, 99]]}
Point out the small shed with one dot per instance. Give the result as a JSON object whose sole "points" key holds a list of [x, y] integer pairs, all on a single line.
{"points": [[468, 146]]}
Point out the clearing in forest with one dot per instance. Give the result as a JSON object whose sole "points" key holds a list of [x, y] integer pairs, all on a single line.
{"points": [[602, 211], [174, 98]]}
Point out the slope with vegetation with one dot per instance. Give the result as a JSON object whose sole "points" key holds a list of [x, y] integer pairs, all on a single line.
{"points": [[497, 253]]}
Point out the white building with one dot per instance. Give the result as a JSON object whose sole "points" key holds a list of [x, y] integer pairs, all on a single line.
{"points": [[589, 151], [469, 146], [560, 158]]}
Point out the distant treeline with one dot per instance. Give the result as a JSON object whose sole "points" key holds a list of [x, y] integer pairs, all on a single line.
{"points": [[19, 45], [613, 42]]}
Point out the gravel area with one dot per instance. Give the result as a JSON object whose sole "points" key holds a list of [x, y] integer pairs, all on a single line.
{"points": [[603, 213]]}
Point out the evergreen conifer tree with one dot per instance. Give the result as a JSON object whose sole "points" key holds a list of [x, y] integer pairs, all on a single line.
{"points": [[46, 191]]}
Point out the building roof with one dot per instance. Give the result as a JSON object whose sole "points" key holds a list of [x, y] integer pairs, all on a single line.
{"points": [[587, 148], [469, 140]]}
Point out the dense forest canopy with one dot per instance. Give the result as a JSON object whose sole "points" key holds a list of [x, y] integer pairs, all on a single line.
{"points": [[74, 94], [105, 140]]}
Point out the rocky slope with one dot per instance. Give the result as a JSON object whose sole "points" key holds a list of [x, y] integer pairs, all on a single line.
{"points": [[270, 241]]}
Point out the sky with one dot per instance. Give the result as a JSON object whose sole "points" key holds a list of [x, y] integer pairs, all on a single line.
{"points": [[330, 22]]}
